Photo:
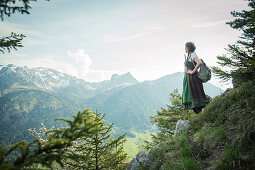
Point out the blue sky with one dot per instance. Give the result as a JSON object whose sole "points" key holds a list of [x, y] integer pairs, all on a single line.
{"points": [[92, 39]]}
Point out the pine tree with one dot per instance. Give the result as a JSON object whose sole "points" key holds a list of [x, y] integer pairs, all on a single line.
{"points": [[103, 152], [8, 8], [11, 42], [242, 54], [166, 119]]}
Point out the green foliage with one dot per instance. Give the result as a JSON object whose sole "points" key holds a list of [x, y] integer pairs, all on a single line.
{"points": [[234, 110], [166, 119], [230, 159], [175, 153], [11, 42], [101, 151], [132, 145], [242, 59], [9, 7], [61, 146], [24, 109]]}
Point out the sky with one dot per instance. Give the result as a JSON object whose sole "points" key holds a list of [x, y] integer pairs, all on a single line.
{"points": [[93, 39]]}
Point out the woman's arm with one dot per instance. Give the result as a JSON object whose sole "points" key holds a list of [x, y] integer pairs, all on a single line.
{"points": [[199, 62]]}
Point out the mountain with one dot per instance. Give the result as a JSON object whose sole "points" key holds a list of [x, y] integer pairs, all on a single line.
{"points": [[29, 96], [115, 81], [129, 107], [28, 108], [13, 78]]}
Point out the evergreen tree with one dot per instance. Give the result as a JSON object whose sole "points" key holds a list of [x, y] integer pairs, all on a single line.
{"points": [[242, 54], [8, 8], [102, 151], [56, 148], [166, 119]]}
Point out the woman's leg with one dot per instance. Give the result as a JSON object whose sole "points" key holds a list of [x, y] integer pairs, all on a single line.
{"points": [[197, 110]]}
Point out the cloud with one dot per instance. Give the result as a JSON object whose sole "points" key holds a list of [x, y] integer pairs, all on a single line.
{"points": [[210, 24], [156, 28], [80, 66], [32, 37], [82, 62], [7, 27]]}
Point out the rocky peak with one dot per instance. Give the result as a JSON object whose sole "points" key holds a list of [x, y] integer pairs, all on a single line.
{"points": [[126, 78]]}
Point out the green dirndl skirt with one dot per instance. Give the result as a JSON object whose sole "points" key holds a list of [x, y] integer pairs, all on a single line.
{"points": [[186, 99]]}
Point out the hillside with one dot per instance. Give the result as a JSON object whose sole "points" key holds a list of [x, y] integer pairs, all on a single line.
{"points": [[222, 136], [25, 109]]}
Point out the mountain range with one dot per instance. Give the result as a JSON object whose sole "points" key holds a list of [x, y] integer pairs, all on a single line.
{"points": [[31, 96]]}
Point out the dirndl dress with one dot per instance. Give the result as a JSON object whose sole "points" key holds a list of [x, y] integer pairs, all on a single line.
{"points": [[193, 95]]}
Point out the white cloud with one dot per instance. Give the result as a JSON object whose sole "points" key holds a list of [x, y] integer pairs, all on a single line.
{"points": [[7, 27], [80, 67], [32, 37], [153, 73], [210, 24], [156, 28], [82, 62]]}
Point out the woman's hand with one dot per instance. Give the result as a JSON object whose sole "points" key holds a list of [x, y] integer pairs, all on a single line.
{"points": [[199, 63], [190, 72]]}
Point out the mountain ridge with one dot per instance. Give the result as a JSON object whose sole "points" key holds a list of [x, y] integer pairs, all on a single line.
{"points": [[127, 78]]}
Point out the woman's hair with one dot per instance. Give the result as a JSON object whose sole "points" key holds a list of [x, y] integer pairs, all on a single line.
{"points": [[191, 46]]}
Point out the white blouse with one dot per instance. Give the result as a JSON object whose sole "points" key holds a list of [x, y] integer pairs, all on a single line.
{"points": [[192, 57]]}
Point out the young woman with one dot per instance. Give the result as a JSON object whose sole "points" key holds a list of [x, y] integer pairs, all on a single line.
{"points": [[193, 95]]}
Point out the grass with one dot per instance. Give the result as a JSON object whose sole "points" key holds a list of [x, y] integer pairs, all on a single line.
{"points": [[131, 147], [227, 129], [176, 153]]}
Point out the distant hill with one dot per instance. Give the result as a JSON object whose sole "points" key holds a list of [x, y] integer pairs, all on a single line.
{"points": [[29, 96]]}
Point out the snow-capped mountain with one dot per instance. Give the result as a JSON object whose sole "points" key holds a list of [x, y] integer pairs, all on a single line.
{"points": [[42, 78], [13, 77]]}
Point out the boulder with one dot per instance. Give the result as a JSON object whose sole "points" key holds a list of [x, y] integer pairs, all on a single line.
{"points": [[181, 125], [141, 159]]}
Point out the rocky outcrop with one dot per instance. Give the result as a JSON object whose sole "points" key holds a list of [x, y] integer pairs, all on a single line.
{"points": [[181, 125], [141, 159]]}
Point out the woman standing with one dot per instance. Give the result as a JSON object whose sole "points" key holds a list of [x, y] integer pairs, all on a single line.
{"points": [[193, 95]]}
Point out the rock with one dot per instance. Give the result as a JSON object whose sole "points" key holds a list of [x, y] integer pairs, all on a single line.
{"points": [[141, 159], [160, 145], [181, 125]]}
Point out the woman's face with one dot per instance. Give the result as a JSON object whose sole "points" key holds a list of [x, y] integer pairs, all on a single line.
{"points": [[186, 50]]}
